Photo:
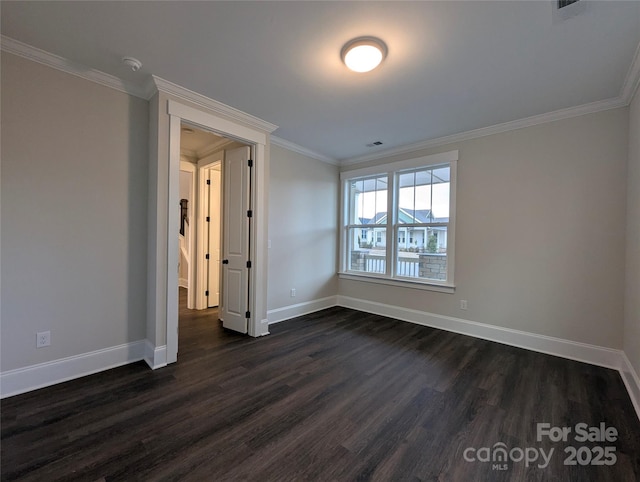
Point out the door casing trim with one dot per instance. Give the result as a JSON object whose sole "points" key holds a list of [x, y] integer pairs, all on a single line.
{"points": [[179, 112]]}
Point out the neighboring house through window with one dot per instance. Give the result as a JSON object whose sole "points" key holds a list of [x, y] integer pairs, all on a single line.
{"points": [[407, 210]]}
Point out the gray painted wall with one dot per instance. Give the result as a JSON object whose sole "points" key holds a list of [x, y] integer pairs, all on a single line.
{"points": [[632, 298], [74, 214], [540, 232], [303, 226]]}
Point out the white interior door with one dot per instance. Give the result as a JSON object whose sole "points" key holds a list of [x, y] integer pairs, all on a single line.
{"points": [[213, 247], [235, 270]]}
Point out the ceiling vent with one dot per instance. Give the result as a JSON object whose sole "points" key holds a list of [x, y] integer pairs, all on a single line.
{"points": [[566, 3], [565, 9]]}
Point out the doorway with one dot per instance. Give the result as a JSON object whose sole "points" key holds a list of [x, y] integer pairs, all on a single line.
{"points": [[211, 227], [201, 155], [215, 223], [163, 273], [187, 233]]}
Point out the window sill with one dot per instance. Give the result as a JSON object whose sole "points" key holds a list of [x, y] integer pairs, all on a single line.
{"points": [[417, 285]]}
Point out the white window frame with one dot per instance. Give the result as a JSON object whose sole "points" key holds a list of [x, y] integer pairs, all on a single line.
{"points": [[391, 171]]}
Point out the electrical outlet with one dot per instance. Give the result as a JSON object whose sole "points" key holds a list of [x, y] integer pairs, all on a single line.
{"points": [[463, 304], [43, 338], [293, 292]]}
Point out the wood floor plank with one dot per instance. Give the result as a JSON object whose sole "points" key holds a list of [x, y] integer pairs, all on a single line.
{"points": [[336, 395]]}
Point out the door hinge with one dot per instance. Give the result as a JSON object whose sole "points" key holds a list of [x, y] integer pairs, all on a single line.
{"points": [[247, 314], [208, 181], [206, 256], [225, 261], [206, 293], [248, 264], [250, 162], [249, 213], [208, 219]]}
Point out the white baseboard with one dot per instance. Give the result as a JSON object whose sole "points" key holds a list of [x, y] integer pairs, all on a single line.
{"points": [[631, 381], [21, 380], [593, 354], [299, 309], [264, 327], [155, 356]]}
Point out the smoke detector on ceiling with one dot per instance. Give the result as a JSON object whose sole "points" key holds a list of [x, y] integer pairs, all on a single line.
{"points": [[133, 64]]}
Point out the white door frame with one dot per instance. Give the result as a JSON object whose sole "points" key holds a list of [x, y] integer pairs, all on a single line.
{"points": [[257, 323], [210, 161]]}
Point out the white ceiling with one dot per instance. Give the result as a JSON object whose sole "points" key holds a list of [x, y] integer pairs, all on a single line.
{"points": [[195, 140], [452, 66]]}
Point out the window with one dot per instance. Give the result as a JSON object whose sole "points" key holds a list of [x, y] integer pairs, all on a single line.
{"points": [[410, 208], [364, 238]]}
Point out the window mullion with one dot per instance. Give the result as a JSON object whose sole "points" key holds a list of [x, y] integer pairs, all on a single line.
{"points": [[392, 201], [347, 209]]}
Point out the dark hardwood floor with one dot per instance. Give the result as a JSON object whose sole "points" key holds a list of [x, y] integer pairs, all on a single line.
{"points": [[338, 395]]}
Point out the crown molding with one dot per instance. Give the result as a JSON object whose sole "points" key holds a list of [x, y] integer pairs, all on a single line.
{"points": [[146, 91], [215, 147], [207, 151], [629, 88], [167, 87], [155, 84], [190, 153], [278, 141], [632, 80], [567, 113], [150, 88], [29, 52]]}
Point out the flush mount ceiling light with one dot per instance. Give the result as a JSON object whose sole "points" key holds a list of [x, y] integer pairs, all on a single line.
{"points": [[363, 54]]}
